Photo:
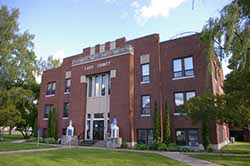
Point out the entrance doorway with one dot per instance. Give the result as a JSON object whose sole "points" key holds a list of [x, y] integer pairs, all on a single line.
{"points": [[98, 129]]}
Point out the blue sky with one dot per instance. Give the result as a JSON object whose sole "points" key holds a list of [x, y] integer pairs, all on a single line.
{"points": [[64, 27]]}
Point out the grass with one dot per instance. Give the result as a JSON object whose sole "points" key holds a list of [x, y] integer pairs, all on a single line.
{"points": [[13, 137], [87, 157], [6, 146], [238, 147], [225, 160]]}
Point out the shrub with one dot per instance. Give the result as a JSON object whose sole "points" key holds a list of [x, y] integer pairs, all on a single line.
{"points": [[162, 147], [153, 146], [210, 148], [141, 147], [50, 141], [173, 148], [185, 149], [124, 144]]}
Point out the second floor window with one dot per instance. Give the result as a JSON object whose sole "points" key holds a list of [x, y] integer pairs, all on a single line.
{"points": [[51, 88], [67, 85], [145, 105], [66, 110], [183, 67], [181, 97], [99, 85], [47, 109], [145, 72]]}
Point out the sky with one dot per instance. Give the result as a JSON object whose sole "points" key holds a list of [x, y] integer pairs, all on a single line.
{"points": [[64, 27]]}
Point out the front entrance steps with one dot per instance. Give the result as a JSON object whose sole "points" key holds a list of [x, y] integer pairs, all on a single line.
{"points": [[87, 143], [94, 143], [101, 143]]}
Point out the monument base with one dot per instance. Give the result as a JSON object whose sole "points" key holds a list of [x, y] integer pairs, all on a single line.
{"points": [[113, 142]]}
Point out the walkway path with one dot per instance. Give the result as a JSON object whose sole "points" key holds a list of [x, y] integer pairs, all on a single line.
{"points": [[173, 155]]}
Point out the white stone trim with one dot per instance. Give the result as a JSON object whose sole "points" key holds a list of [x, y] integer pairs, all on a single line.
{"points": [[180, 78], [112, 45], [67, 74], [144, 58], [45, 118], [145, 115], [102, 48], [49, 95], [83, 79], [113, 73], [220, 145], [145, 82], [92, 50]]}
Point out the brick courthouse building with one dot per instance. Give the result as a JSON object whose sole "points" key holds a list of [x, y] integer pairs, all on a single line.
{"points": [[122, 79]]}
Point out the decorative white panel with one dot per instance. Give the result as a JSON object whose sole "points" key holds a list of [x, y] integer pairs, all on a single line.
{"points": [[67, 74], [92, 50], [102, 48], [83, 79], [113, 74], [112, 45], [145, 58]]}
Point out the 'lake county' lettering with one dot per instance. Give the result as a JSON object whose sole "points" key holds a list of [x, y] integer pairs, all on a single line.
{"points": [[99, 65]]}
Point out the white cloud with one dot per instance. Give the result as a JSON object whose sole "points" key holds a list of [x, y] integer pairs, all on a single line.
{"points": [[154, 9]]}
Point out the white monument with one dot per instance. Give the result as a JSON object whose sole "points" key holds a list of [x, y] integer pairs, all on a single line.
{"points": [[114, 129], [70, 129], [114, 141]]}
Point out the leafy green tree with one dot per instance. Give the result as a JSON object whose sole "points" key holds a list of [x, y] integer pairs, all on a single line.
{"points": [[52, 129], [228, 37], [166, 129], [204, 110], [17, 73], [50, 63], [156, 125]]}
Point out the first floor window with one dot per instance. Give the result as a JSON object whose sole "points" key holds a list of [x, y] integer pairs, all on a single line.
{"points": [[144, 136], [64, 131], [181, 97], [145, 105], [187, 137], [47, 108], [66, 110]]}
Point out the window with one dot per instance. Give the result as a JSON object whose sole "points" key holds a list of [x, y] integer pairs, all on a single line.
{"points": [[98, 115], [183, 67], [90, 86], [100, 84], [104, 81], [181, 97], [187, 137], [144, 136], [48, 107], [64, 131], [51, 88], [66, 110], [97, 85], [67, 85], [145, 72], [145, 105]]}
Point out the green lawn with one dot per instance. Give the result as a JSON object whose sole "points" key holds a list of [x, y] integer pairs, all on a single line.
{"points": [[238, 147], [87, 157], [13, 137], [6, 146], [225, 160]]}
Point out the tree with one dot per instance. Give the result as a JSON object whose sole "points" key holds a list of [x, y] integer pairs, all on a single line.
{"points": [[156, 127], [228, 37], [50, 63], [204, 110], [166, 129], [52, 133], [17, 72]]}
